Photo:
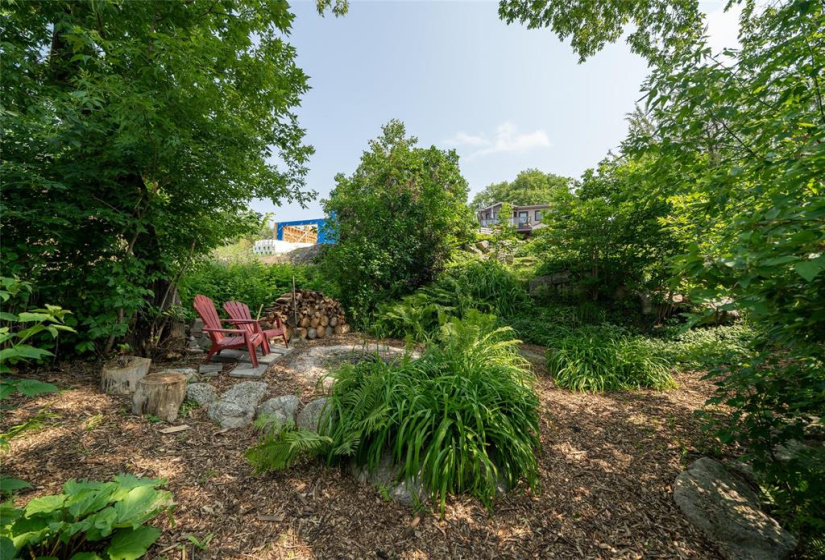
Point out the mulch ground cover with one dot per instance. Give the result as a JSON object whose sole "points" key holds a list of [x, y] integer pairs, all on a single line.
{"points": [[607, 463]]}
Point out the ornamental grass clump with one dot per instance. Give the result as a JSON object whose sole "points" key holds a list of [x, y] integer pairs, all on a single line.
{"points": [[463, 418], [605, 359]]}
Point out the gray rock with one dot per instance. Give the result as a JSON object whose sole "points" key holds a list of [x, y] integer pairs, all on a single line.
{"points": [[726, 509], [202, 393], [310, 416], [249, 372], [286, 406], [483, 246], [236, 407], [188, 372], [210, 370], [385, 476]]}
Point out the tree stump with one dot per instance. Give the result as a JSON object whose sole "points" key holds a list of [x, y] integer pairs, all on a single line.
{"points": [[121, 376], [160, 394]]}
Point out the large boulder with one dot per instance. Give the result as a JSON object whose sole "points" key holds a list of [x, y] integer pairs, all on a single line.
{"points": [[726, 509], [236, 408], [386, 476], [280, 410], [286, 406], [202, 393], [310, 417]]}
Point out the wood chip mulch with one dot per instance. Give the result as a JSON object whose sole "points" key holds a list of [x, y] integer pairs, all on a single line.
{"points": [[607, 464]]}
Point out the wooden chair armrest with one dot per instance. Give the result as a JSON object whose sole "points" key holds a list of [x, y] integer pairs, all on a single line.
{"points": [[232, 331]]}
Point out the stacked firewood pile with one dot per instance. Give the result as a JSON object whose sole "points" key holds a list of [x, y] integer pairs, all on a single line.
{"points": [[309, 315]]}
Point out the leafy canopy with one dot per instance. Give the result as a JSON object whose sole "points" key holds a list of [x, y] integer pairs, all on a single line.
{"points": [[134, 137], [396, 218], [529, 187]]}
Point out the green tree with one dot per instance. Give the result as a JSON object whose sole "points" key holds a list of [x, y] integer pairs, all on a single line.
{"points": [[608, 234], [737, 152], [396, 218], [530, 187], [657, 27], [134, 136]]}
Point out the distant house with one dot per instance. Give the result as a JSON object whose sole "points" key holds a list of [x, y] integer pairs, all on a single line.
{"points": [[524, 218]]}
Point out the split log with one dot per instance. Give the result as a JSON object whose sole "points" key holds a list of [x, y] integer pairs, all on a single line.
{"points": [[324, 320], [315, 322], [120, 377], [160, 394], [333, 321], [321, 331], [304, 322], [312, 334]]}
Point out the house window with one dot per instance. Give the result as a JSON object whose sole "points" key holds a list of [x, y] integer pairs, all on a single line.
{"points": [[538, 215], [522, 217]]}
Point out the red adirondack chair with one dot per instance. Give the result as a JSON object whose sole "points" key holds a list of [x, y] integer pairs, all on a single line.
{"points": [[245, 336], [240, 311]]}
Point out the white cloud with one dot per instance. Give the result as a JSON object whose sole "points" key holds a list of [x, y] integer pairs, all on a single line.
{"points": [[506, 139]]}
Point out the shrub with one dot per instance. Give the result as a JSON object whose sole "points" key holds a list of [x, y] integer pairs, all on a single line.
{"points": [[486, 286], [251, 282], [104, 520], [463, 417], [396, 219], [606, 359], [707, 348]]}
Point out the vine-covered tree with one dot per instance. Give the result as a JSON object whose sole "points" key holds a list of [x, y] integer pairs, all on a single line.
{"points": [[529, 187], [396, 219], [134, 136]]}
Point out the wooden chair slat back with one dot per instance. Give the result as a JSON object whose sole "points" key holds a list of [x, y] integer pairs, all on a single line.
{"points": [[240, 311], [206, 309]]}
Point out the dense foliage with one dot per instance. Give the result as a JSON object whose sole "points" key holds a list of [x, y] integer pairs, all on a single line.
{"points": [[604, 358], [486, 286], [134, 136], [87, 521], [396, 220], [608, 235], [733, 153], [250, 281], [461, 418], [529, 187]]}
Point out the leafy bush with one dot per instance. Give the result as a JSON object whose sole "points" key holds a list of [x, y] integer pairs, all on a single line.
{"points": [[88, 521], [486, 286], [707, 348], [251, 282], [22, 340], [606, 359], [545, 325], [396, 219], [463, 417]]}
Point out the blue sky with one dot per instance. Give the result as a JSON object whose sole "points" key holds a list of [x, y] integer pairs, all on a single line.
{"points": [[505, 97]]}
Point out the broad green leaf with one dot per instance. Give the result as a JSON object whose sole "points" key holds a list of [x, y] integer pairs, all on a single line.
{"points": [[45, 504], [8, 484], [86, 556], [33, 387], [131, 544], [7, 549], [809, 269]]}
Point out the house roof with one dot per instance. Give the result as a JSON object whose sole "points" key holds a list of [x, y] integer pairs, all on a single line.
{"points": [[515, 206]]}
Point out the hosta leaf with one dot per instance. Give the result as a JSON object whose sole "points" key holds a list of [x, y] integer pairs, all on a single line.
{"points": [[46, 504], [139, 505], [131, 544]]}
